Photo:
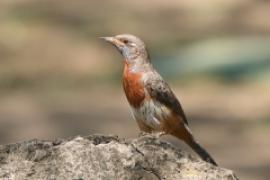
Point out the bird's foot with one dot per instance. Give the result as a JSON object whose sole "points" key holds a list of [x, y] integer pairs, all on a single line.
{"points": [[143, 134], [158, 134], [154, 134]]}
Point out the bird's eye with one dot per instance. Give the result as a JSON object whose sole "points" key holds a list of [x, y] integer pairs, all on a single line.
{"points": [[125, 41]]}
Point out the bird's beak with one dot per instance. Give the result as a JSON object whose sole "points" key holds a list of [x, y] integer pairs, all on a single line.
{"points": [[108, 39], [112, 40]]}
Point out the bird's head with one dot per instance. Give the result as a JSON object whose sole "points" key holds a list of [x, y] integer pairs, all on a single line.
{"points": [[130, 46]]}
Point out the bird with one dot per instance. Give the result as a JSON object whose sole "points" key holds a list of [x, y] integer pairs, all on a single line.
{"points": [[154, 105]]}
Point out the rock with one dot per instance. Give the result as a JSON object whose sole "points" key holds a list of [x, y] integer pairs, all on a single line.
{"points": [[103, 157]]}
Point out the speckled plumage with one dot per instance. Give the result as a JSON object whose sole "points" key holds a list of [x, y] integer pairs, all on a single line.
{"points": [[153, 104]]}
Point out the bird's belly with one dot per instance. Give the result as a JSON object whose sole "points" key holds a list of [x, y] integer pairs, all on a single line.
{"points": [[152, 113]]}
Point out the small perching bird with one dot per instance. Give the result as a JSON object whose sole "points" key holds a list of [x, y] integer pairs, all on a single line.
{"points": [[154, 105]]}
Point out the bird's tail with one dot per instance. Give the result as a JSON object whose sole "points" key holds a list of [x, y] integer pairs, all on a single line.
{"points": [[185, 134], [202, 152]]}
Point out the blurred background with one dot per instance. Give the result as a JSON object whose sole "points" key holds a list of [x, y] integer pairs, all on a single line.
{"points": [[57, 79]]}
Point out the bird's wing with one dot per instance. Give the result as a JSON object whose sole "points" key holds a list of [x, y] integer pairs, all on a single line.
{"points": [[160, 91]]}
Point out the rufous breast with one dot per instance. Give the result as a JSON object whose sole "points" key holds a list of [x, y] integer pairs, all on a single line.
{"points": [[133, 86]]}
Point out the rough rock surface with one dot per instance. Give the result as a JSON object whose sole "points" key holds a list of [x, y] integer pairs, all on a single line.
{"points": [[103, 157]]}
